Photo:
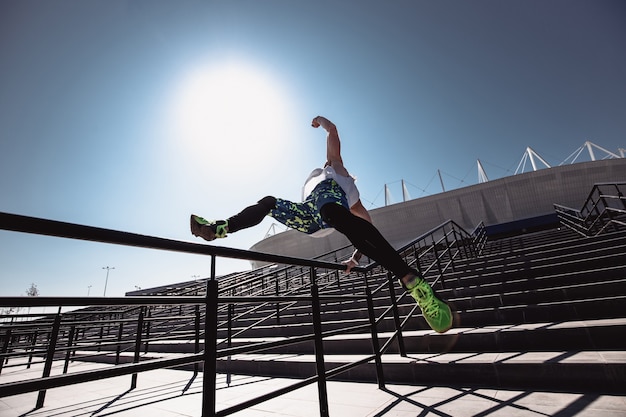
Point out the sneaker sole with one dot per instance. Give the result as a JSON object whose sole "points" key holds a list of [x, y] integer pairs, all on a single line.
{"points": [[449, 326], [440, 302], [200, 229]]}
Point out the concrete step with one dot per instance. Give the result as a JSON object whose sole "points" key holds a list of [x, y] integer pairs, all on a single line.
{"points": [[572, 335], [545, 305], [603, 371]]}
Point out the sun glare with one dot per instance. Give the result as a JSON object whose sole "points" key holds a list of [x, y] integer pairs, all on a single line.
{"points": [[232, 110]]}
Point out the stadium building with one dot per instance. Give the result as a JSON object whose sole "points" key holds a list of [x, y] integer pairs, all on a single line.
{"points": [[510, 205]]}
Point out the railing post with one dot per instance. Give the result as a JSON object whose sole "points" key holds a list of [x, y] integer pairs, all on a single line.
{"points": [[436, 254], [319, 347], [596, 209], [418, 264], [30, 355], [608, 209], [109, 322], [473, 243], [210, 345], [120, 333], [148, 326], [5, 347], [76, 337], [133, 381], [229, 338], [396, 314], [375, 345], [197, 336], [70, 341], [100, 336], [415, 248], [449, 250], [620, 196], [277, 304], [50, 356], [461, 241]]}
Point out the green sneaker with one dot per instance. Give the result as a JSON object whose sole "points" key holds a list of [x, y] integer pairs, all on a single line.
{"points": [[437, 313], [208, 230]]}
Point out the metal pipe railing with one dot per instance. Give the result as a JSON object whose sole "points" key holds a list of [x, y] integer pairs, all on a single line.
{"points": [[34, 225], [440, 247], [604, 209]]}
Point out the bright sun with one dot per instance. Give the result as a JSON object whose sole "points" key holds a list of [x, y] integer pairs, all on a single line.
{"points": [[231, 110]]}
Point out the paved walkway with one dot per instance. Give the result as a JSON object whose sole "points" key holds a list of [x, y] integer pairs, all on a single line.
{"points": [[171, 393]]}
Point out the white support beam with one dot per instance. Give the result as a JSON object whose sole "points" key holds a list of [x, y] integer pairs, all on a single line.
{"points": [[532, 154], [609, 154], [387, 196], [405, 192], [482, 175]]}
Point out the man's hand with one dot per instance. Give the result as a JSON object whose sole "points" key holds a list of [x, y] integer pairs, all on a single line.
{"points": [[325, 123], [350, 263], [353, 261]]}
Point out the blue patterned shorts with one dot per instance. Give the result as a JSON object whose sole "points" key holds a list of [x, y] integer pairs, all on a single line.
{"points": [[305, 217]]}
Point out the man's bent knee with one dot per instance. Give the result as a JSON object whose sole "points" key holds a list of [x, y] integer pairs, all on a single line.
{"points": [[268, 202], [333, 213]]}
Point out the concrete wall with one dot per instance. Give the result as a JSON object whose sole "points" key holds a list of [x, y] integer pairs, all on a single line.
{"points": [[499, 201]]}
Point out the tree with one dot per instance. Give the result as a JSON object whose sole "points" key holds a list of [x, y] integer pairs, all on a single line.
{"points": [[32, 291]]}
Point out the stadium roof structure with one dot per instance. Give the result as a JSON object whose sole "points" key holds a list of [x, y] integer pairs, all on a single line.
{"points": [[531, 161], [533, 157]]}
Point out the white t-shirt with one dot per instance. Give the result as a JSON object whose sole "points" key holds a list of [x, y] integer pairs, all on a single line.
{"points": [[318, 175]]}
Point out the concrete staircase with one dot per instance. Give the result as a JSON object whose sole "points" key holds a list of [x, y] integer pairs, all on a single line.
{"points": [[543, 310]]}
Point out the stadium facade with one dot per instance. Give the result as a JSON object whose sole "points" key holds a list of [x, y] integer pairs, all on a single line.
{"points": [[506, 205]]}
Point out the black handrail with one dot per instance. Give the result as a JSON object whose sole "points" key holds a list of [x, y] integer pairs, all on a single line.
{"points": [[34, 225], [604, 210], [451, 242]]}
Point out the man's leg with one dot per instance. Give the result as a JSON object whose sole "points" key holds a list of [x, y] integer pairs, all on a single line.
{"points": [[302, 217], [248, 217], [251, 216], [366, 238]]}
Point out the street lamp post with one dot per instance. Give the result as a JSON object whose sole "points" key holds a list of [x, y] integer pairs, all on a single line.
{"points": [[108, 268]]}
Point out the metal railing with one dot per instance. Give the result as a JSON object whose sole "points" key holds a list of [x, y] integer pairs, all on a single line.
{"points": [[604, 210], [207, 316]]}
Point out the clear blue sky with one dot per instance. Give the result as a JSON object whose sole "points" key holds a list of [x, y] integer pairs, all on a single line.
{"points": [[131, 115]]}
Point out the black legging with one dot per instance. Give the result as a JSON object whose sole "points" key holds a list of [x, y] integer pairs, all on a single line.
{"points": [[251, 216], [363, 235], [366, 238]]}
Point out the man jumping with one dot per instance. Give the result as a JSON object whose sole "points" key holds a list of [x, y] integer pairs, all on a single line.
{"points": [[332, 201]]}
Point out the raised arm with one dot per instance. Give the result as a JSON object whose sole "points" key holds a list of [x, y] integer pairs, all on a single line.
{"points": [[333, 158], [333, 144]]}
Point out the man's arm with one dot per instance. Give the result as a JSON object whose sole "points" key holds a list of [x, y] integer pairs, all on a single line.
{"points": [[333, 158], [333, 144]]}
